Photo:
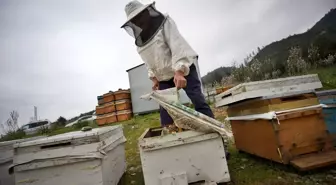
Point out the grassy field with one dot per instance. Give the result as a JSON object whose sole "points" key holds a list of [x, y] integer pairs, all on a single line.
{"points": [[244, 169], [327, 76]]}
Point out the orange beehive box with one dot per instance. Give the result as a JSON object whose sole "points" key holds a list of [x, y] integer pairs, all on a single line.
{"points": [[106, 119], [290, 139], [108, 97], [219, 90], [100, 110], [264, 105], [109, 107], [124, 115], [223, 89], [101, 120], [123, 105], [122, 94]]}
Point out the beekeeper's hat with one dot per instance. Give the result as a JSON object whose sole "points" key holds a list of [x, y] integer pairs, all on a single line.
{"points": [[133, 8]]}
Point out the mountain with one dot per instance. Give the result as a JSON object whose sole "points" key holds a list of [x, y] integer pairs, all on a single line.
{"points": [[321, 35], [216, 75]]}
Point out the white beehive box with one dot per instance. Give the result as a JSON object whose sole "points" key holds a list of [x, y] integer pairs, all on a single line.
{"points": [[182, 158], [95, 157], [6, 159], [268, 87]]}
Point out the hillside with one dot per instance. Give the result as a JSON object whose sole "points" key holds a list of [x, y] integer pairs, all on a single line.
{"points": [[321, 36]]}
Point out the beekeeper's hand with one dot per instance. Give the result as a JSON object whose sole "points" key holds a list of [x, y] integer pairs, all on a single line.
{"points": [[179, 80], [155, 84]]}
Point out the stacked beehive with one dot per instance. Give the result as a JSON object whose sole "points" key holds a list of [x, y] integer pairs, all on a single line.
{"points": [[328, 98], [280, 120], [223, 89], [114, 107]]}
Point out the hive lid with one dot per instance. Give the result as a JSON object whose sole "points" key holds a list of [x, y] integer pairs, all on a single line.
{"points": [[159, 142], [268, 87], [122, 91], [6, 144], [108, 94], [326, 92], [6, 148], [85, 137]]}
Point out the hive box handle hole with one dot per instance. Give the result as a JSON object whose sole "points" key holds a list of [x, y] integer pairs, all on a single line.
{"points": [[56, 145]]}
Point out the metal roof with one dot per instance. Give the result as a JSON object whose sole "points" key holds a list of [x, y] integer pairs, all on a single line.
{"points": [[135, 67]]}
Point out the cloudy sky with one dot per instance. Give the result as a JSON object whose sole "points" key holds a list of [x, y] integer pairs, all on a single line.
{"points": [[60, 54]]}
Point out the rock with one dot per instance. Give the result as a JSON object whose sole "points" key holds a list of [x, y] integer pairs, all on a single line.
{"points": [[133, 174], [244, 160], [280, 178], [296, 181], [333, 171], [132, 169], [330, 177], [133, 182]]}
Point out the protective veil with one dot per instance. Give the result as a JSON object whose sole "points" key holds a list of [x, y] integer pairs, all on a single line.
{"points": [[141, 35]]}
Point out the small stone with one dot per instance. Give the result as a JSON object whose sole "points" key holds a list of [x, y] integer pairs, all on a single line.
{"points": [[330, 176], [133, 174], [333, 171], [296, 181], [132, 169], [242, 167], [244, 160], [279, 178], [132, 182]]}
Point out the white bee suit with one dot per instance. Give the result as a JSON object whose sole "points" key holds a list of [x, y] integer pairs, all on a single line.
{"points": [[167, 52]]}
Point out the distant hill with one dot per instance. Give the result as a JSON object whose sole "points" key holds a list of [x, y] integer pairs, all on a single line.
{"points": [[81, 115], [321, 35], [216, 75]]}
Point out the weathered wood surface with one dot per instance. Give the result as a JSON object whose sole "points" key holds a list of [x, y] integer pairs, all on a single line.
{"points": [[94, 157], [264, 105], [283, 139], [316, 160], [267, 88], [187, 152]]}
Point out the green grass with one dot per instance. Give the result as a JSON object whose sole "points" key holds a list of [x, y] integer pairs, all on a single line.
{"points": [[327, 76], [244, 169]]}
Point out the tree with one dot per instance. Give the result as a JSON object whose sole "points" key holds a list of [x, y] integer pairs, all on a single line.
{"points": [[61, 121], [313, 55], [295, 63], [11, 128], [11, 125]]}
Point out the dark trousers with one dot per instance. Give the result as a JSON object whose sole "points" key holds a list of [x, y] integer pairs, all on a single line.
{"points": [[194, 92]]}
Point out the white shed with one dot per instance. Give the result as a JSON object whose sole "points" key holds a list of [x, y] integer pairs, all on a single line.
{"points": [[140, 84]]}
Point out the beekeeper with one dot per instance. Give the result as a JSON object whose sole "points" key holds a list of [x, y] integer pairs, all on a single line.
{"points": [[168, 57]]}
